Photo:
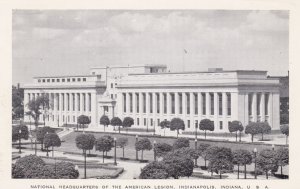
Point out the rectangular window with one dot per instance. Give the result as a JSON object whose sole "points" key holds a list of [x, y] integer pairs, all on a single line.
{"points": [[48, 80], [138, 121], [43, 80], [151, 103], [221, 125], [203, 96], [57, 80], [68, 80], [73, 119], [124, 102], [78, 79], [151, 122], [145, 122], [212, 108], [165, 103], [266, 104], [158, 103], [52, 117], [78, 95], [172, 103], [196, 103], [158, 121], [228, 104], [258, 97], [73, 79], [188, 102], [144, 103], [63, 80], [111, 85], [188, 123], [63, 118], [250, 104], [83, 79], [68, 118], [180, 103], [111, 96], [196, 124], [130, 102], [220, 103], [53, 80], [137, 103]]}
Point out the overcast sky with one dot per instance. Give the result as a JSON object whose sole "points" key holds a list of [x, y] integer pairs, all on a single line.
{"points": [[70, 42]]}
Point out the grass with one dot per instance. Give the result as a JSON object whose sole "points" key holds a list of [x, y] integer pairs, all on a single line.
{"points": [[70, 146]]}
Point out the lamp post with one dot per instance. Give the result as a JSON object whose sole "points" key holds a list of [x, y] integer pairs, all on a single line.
{"points": [[273, 147], [196, 127], [154, 128], [115, 141], [154, 149], [196, 151], [76, 167], [20, 131], [255, 173], [47, 147], [136, 152], [35, 147], [84, 163]]}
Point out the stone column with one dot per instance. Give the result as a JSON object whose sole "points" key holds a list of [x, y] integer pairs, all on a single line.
{"points": [[81, 103], [176, 96], [254, 106], [216, 111], [199, 106], [224, 111], [94, 112], [184, 106], [275, 111], [169, 105], [262, 107], [141, 108], [120, 102], [207, 99], [60, 109], [161, 108], [154, 100], [127, 104], [192, 110]]}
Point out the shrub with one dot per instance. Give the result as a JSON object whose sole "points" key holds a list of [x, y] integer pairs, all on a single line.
{"points": [[122, 142], [181, 143], [162, 149], [116, 121], [235, 126], [285, 130], [267, 161], [202, 150], [242, 157], [206, 125], [23, 135], [66, 170], [104, 144], [104, 120], [41, 132], [265, 128], [27, 167], [253, 129], [143, 144], [177, 124], [127, 122], [282, 156], [52, 140], [154, 170]]}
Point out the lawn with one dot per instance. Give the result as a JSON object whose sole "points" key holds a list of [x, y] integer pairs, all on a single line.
{"points": [[69, 145]]}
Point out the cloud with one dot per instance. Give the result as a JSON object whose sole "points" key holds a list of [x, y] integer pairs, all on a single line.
{"points": [[47, 33]]}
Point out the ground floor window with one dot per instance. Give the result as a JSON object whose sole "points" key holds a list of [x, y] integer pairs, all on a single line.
{"points": [[145, 121], [221, 125]]}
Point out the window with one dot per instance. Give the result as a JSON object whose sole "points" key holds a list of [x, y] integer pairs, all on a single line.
{"points": [[151, 103], [145, 122], [68, 100], [73, 118], [43, 80], [228, 104], [111, 85], [137, 103], [203, 95], [48, 80], [90, 102], [221, 125], [57, 80], [180, 103], [157, 103], [188, 123], [196, 124], [212, 104], [68, 80], [63, 102], [68, 118], [63, 118], [258, 97], [124, 102], [84, 79], [144, 103], [73, 79], [165, 103], [158, 121], [115, 84], [73, 99], [111, 96], [220, 103], [78, 104], [173, 103], [188, 102], [266, 104], [78, 79], [250, 104], [151, 122], [63, 80], [138, 121], [130, 102], [39, 80], [53, 80]]}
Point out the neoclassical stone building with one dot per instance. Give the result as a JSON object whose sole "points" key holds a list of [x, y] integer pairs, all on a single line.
{"points": [[150, 94]]}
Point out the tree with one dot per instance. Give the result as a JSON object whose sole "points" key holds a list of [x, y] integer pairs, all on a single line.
{"points": [[235, 126], [83, 120], [285, 130], [41, 132], [83, 142], [188, 152], [143, 144], [265, 128], [206, 125], [242, 157], [202, 150], [154, 170], [181, 143], [27, 167], [221, 161], [17, 102], [267, 161], [162, 149], [122, 142], [253, 129], [104, 120], [128, 122], [164, 124], [91, 143], [284, 118], [116, 121], [177, 124], [16, 135], [104, 144], [210, 153], [282, 156], [52, 140], [178, 165], [37, 106]]}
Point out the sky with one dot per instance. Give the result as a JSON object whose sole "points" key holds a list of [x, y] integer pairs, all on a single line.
{"points": [[69, 42]]}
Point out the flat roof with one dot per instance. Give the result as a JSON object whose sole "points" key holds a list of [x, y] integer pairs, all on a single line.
{"points": [[64, 76], [131, 66]]}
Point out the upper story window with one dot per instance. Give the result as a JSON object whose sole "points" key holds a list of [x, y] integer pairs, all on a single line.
{"points": [[78, 79], [83, 79], [44, 80], [63, 80], [57, 80], [73, 79], [53, 80], [111, 85], [48, 80], [39, 80], [68, 80]]}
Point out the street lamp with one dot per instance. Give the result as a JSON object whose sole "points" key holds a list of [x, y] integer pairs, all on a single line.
{"points": [[136, 152], [115, 141], [20, 131], [154, 149], [154, 128], [196, 151], [273, 147], [255, 152]]}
